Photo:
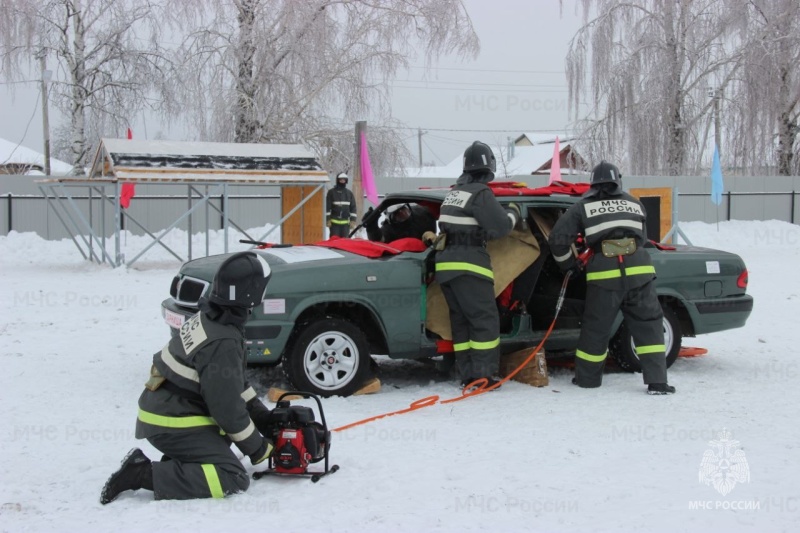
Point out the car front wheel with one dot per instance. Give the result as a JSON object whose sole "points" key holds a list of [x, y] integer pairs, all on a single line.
{"points": [[330, 357], [623, 349]]}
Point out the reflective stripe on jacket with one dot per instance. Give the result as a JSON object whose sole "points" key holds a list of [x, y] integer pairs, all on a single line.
{"points": [[470, 212], [205, 386], [340, 205], [600, 218]]}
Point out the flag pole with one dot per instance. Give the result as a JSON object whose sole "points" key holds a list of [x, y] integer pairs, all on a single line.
{"points": [[716, 182], [358, 189]]}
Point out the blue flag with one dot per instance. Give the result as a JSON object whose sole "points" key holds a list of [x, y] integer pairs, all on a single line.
{"points": [[716, 179]]}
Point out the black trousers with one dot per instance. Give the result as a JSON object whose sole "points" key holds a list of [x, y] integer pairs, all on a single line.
{"points": [[643, 316], [201, 465], [475, 324], [340, 230]]}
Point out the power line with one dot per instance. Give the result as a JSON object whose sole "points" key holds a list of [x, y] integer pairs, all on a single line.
{"points": [[450, 140], [470, 84], [474, 90], [434, 153], [18, 81], [25, 134], [518, 130], [492, 70]]}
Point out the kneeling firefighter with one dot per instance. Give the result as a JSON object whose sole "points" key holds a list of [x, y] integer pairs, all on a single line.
{"points": [[197, 402], [471, 215], [619, 276]]}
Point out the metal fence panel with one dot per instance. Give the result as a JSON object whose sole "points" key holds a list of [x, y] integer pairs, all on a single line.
{"points": [[22, 207]]}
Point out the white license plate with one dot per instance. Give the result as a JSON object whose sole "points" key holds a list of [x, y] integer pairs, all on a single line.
{"points": [[174, 320]]}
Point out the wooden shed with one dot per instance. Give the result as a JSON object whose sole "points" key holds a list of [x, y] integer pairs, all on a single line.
{"points": [[206, 170]]}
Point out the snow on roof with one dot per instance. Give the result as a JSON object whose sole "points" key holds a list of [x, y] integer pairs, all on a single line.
{"points": [[11, 153], [190, 148], [545, 138], [180, 161], [526, 160]]}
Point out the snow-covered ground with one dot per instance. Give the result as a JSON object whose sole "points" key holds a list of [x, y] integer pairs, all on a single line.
{"points": [[77, 341]]}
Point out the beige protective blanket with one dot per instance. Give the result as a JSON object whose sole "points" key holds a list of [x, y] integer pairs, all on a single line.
{"points": [[510, 255]]}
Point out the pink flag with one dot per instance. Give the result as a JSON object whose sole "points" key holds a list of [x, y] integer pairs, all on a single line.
{"points": [[555, 164], [367, 178], [128, 189]]}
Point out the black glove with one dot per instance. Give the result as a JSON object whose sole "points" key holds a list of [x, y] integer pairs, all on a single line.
{"points": [[261, 417], [263, 452], [369, 219], [575, 268]]}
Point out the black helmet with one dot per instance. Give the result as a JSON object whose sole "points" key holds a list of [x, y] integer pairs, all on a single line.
{"points": [[479, 158], [241, 281], [399, 213], [604, 173]]}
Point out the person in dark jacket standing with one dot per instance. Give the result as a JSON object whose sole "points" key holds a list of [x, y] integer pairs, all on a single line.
{"points": [[402, 221], [471, 215], [619, 276], [197, 402], [340, 208]]}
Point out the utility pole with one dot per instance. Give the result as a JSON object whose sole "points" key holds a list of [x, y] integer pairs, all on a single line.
{"points": [[46, 76], [358, 189], [419, 142], [716, 95]]}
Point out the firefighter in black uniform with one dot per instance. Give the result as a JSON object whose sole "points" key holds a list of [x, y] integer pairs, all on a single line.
{"points": [[619, 276], [340, 208], [402, 221], [470, 216], [197, 401]]}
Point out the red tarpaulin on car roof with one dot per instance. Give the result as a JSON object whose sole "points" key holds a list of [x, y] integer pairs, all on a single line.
{"points": [[373, 249], [516, 188]]}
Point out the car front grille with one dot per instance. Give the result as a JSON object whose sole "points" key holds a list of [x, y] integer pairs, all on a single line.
{"points": [[188, 291], [173, 288]]}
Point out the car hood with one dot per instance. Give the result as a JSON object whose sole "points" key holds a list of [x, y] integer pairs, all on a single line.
{"points": [[294, 258]]}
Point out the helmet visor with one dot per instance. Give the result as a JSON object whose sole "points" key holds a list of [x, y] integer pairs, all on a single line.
{"points": [[398, 213]]}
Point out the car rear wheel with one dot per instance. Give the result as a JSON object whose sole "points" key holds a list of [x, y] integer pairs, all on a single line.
{"points": [[330, 357], [623, 349]]}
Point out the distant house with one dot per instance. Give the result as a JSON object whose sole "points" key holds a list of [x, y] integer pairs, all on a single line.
{"points": [[543, 143], [18, 159], [528, 154]]}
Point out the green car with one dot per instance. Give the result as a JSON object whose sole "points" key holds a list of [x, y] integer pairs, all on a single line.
{"points": [[327, 309]]}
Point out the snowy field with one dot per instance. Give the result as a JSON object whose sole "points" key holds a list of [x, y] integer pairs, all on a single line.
{"points": [[77, 341]]}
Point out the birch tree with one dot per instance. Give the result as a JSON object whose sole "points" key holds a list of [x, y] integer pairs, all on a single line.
{"points": [[647, 67], [105, 55], [289, 71], [763, 113]]}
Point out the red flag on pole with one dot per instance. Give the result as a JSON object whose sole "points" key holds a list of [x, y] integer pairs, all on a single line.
{"points": [[128, 189], [555, 164]]}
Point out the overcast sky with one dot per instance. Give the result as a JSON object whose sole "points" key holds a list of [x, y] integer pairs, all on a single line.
{"points": [[517, 84]]}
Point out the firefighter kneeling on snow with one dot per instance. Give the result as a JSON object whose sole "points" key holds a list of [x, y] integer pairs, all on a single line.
{"points": [[197, 401], [619, 276]]}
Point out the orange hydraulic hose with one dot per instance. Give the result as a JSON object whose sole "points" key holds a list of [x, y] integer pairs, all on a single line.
{"points": [[479, 384]]}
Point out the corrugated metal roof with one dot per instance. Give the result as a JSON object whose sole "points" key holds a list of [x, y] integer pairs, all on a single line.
{"points": [[198, 162]]}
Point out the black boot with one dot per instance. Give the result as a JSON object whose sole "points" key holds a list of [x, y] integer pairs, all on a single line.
{"points": [[467, 381], [659, 389], [575, 382], [491, 381], [135, 473]]}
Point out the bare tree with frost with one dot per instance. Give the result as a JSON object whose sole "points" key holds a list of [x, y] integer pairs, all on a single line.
{"points": [[647, 67], [291, 71], [762, 115], [105, 57]]}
